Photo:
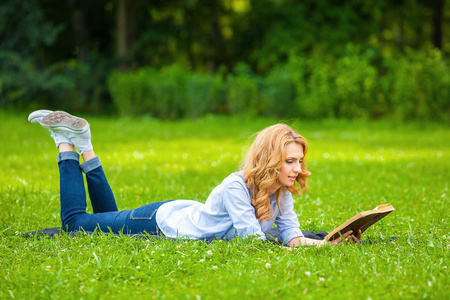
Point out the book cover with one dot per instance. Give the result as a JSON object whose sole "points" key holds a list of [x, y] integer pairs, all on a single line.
{"points": [[361, 221]]}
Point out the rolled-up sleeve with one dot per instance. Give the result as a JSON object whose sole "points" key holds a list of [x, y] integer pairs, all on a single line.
{"points": [[287, 222]]}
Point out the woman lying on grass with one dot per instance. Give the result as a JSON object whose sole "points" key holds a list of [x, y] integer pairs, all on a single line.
{"points": [[245, 204]]}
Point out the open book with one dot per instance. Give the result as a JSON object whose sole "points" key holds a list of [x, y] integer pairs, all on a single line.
{"points": [[361, 221]]}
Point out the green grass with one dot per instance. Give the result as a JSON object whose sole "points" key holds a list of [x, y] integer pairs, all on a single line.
{"points": [[354, 165]]}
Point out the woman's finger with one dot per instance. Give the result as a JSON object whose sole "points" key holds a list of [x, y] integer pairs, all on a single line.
{"points": [[355, 239]]}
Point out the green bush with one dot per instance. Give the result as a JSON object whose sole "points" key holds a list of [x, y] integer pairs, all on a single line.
{"points": [[131, 91], [355, 86], [160, 94], [351, 87], [242, 96], [66, 85], [219, 93], [199, 95], [169, 92], [278, 94], [24, 84], [419, 87], [315, 91]]}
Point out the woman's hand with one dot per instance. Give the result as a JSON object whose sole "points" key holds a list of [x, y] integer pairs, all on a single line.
{"points": [[347, 237], [302, 241]]}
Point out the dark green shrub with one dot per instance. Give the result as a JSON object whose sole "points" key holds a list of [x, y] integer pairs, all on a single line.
{"points": [[356, 87], [169, 93], [278, 94], [219, 93], [410, 87], [314, 87], [66, 85], [160, 94], [199, 95], [242, 96], [131, 91], [297, 68], [419, 87], [320, 100]]}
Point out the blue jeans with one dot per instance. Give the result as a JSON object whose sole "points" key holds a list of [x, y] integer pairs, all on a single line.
{"points": [[106, 216]]}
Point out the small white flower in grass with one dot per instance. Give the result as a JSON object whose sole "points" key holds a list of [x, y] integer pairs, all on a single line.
{"points": [[444, 267], [209, 252], [268, 265], [201, 260], [307, 273], [138, 267], [153, 252], [131, 277], [448, 247], [270, 251], [429, 283], [215, 267], [81, 288], [412, 220]]}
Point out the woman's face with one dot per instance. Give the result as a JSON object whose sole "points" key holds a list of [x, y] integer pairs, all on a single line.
{"points": [[291, 166]]}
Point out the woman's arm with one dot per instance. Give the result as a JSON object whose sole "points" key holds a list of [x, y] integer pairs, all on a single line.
{"points": [[346, 237], [302, 241], [237, 204]]}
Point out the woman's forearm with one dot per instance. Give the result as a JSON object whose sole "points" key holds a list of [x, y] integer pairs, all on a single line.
{"points": [[302, 241]]}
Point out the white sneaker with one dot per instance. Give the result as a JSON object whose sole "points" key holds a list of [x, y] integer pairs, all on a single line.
{"points": [[75, 129], [36, 117]]}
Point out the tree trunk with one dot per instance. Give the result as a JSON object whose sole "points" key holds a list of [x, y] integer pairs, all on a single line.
{"points": [[126, 28], [438, 12], [80, 28], [216, 42]]}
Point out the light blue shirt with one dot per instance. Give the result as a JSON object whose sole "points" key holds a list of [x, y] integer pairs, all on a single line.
{"points": [[227, 213]]}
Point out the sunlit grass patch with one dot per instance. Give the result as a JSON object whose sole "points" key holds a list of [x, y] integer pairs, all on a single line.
{"points": [[355, 166]]}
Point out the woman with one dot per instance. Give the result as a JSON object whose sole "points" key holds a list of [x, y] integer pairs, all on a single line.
{"points": [[245, 204]]}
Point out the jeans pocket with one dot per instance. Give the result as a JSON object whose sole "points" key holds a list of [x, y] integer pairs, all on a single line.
{"points": [[143, 213]]}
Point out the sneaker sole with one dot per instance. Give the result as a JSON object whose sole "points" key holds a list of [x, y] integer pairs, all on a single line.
{"points": [[62, 121], [38, 114]]}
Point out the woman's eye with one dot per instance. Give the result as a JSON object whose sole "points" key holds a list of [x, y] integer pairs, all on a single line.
{"points": [[289, 161]]}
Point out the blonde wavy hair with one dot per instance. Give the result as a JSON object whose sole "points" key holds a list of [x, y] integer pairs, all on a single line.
{"points": [[262, 165]]}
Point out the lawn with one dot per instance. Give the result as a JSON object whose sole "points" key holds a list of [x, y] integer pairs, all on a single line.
{"points": [[354, 165]]}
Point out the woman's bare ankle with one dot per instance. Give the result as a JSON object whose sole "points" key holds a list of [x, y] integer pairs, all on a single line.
{"points": [[65, 147], [88, 155]]}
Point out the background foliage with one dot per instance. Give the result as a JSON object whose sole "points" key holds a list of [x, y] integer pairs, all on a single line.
{"points": [[186, 58]]}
